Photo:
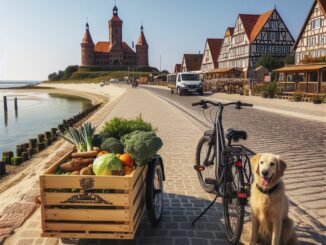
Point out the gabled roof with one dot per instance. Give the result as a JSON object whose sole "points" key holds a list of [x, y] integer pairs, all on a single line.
{"points": [[322, 4], [215, 45], [193, 61], [263, 18], [87, 37], [229, 32], [105, 47], [142, 40], [249, 21], [177, 68], [127, 49]]}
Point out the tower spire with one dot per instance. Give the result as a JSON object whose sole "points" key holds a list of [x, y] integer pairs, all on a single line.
{"points": [[115, 10]]}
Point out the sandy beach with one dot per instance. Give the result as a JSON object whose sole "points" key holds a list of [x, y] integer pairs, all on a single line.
{"points": [[22, 188]]}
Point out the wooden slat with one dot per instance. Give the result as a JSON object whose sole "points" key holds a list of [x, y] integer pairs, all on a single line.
{"points": [[73, 182], [138, 216], [86, 227], [139, 201], [55, 198], [128, 236], [140, 184], [87, 214], [63, 159], [135, 175]]}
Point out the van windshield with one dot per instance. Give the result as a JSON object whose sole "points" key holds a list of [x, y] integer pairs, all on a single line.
{"points": [[190, 77]]}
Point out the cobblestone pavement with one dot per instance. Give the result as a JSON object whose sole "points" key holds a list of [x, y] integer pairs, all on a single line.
{"points": [[183, 198]]}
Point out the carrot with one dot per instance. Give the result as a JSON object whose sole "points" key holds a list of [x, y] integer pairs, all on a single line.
{"points": [[84, 154]]}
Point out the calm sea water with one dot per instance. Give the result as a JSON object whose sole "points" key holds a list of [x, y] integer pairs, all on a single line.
{"points": [[37, 113], [16, 84]]}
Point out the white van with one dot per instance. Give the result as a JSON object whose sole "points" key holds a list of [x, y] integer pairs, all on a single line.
{"points": [[188, 82]]}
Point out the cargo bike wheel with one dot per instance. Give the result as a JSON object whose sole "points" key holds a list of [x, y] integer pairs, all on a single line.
{"points": [[154, 190]]}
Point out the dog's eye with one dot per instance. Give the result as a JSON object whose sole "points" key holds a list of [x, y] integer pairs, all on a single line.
{"points": [[272, 163], [261, 162]]}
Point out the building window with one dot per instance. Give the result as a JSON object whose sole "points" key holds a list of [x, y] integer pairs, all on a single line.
{"points": [[316, 23], [313, 76]]}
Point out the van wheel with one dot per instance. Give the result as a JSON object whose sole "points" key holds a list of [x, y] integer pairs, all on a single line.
{"points": [[179, 91]]}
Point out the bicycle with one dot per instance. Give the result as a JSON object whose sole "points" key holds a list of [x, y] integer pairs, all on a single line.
{"points": [[231, 178]]}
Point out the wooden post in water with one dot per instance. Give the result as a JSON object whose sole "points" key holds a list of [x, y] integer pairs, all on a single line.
{"points": [[16, 104], [5, 106], [16, 107]]}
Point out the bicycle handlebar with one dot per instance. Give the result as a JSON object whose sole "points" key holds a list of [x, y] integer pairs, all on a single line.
{"points": [[238, 104]]}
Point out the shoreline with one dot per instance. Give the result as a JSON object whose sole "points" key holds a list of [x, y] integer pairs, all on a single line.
{"points": [[22, 188], [94, 98]]}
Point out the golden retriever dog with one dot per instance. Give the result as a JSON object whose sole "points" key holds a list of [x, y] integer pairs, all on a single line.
{"points": [[269, 204]]}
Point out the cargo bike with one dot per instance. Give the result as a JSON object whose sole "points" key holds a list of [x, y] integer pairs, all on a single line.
{"points": [[100, 207]]}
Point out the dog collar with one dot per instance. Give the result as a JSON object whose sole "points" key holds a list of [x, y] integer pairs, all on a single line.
{"points": [[267, 191]]}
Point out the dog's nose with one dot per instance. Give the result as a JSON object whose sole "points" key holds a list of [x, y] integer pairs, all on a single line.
{"points": [[264, 172]]}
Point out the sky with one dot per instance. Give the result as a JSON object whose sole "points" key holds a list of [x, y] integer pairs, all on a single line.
{"points": [[38, 37]]}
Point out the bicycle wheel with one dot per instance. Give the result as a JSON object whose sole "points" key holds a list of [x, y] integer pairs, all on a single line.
{"points": [[232, 209], [206, 161], [154, 192]]}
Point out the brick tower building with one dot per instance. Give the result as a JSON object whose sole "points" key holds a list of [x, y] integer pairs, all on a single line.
{"points": [[115, 52], [142, 49]]}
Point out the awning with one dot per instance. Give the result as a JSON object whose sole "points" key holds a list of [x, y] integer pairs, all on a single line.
{"points": [[301, 68], [222, 70]]}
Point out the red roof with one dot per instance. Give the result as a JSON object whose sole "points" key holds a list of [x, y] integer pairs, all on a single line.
{"points": [[127, 49], [105, 47], [263, 18], [87, 37], [249, 21], [142, 40], [215, 45], [229, 31], [193, 61], [177, 68]]}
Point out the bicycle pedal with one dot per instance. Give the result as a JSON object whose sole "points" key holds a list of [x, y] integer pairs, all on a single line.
{"points": [[209, 181], [199, 168]]}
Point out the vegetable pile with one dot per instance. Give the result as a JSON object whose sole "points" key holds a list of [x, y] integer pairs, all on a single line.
{"points": [[121, 146]]}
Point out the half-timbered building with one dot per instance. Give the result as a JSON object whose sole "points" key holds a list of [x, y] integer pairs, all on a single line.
{"points": [[211, 53], [255, 36], [191, 62], [311, 43], [225, 49]]}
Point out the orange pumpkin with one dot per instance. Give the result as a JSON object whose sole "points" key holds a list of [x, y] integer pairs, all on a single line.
{"points": [[127, 170], [126, 160], [102, 153]]}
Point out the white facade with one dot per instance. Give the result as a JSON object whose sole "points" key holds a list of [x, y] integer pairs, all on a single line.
{"points": [[208, 62], [312, 39], [224, 54]]}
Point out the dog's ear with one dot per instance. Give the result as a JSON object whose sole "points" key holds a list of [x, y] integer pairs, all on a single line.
{"points": [[281, 165], [255, 163]]}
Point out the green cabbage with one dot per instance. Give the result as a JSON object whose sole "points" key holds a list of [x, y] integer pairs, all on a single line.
{"points": [[103, 165]]}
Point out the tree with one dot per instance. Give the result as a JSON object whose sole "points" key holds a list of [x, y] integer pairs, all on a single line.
{"points": [[270, 62], [69, 71], [289, 59]]}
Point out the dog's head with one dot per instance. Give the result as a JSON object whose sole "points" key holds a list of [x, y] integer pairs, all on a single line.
{"points": [[268, 169]]}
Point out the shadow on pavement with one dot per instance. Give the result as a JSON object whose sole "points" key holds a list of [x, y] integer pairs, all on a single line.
{"points": [[175, 226]]}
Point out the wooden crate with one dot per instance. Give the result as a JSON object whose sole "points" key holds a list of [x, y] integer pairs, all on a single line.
{"points": [[99, 207]]}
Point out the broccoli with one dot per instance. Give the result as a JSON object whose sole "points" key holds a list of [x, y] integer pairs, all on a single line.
{"points": [[141, 145], [112, 145], [97, 140]]}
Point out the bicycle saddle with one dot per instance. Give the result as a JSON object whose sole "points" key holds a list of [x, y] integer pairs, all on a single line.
{"points": [[236, 135]]}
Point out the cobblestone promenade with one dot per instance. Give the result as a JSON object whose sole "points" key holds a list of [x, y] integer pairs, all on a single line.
{"points": [[184, 198]]}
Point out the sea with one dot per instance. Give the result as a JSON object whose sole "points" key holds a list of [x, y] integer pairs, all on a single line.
{"points": [[37, 112], [17, 84]]}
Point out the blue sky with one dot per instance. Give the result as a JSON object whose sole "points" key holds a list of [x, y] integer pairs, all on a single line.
{"points": [[38, 37]]}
